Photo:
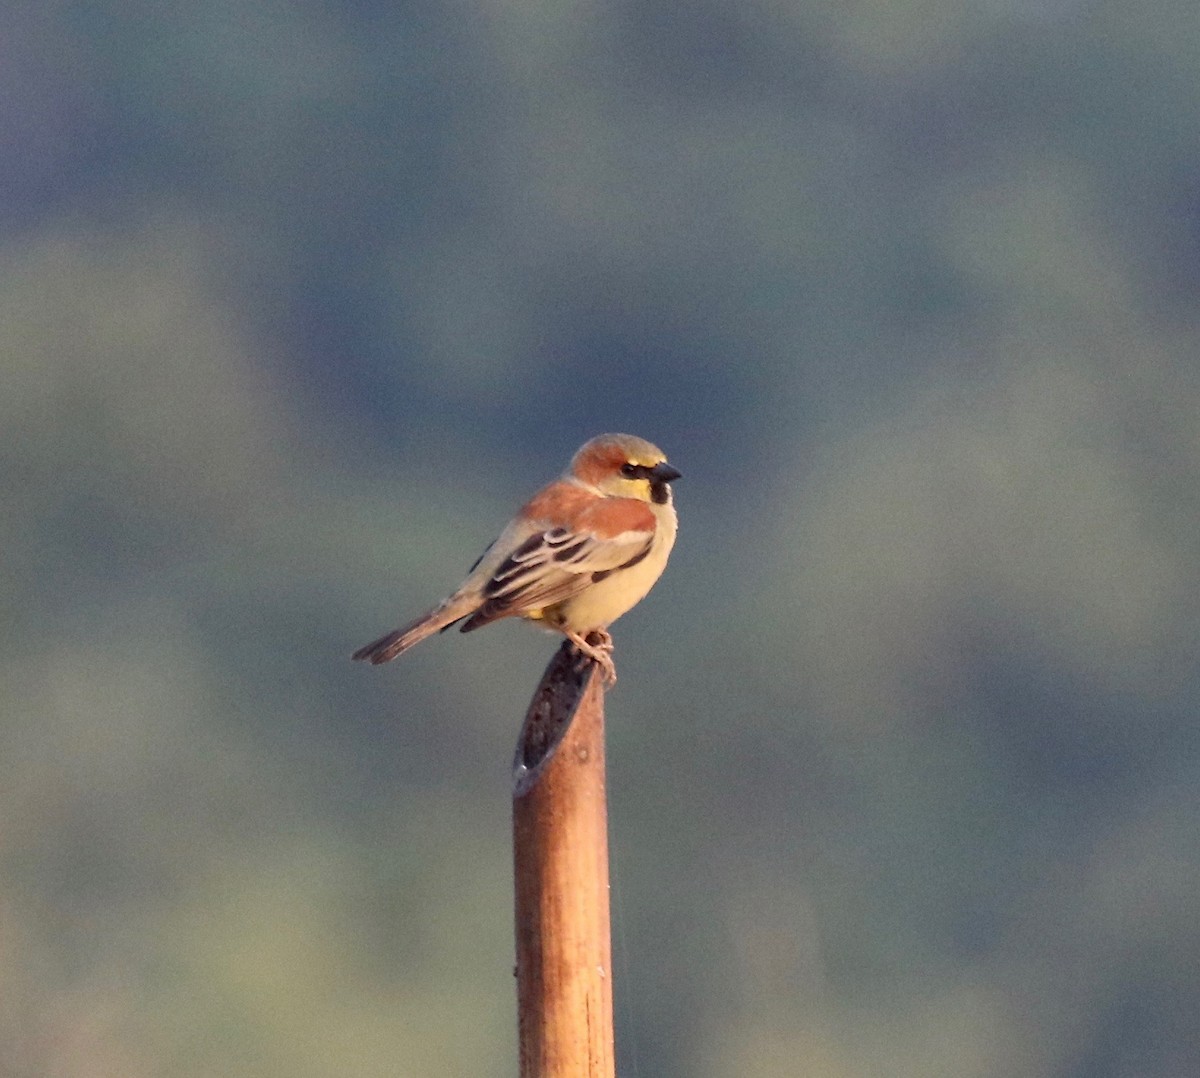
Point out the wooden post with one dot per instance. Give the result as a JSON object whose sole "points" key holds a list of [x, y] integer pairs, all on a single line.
{"points": [[560, 854]]}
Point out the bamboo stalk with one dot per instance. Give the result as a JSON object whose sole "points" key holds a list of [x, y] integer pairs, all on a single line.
{"points": [[560, 856]]}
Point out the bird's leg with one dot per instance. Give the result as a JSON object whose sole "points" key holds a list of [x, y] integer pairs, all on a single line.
{"points": [[600, 638], [599, 651]]}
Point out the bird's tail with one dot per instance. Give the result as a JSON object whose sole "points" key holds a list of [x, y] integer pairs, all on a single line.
{"points": [[442, 616]]}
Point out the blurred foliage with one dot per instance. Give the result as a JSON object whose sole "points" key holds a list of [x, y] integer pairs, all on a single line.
{"points": [[298, 300]]}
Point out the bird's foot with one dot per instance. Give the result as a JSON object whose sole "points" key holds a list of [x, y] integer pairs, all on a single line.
{"points": [[597, 645]]}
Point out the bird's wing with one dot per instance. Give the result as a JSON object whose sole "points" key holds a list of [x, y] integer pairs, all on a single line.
{"points": [[557, 560]]}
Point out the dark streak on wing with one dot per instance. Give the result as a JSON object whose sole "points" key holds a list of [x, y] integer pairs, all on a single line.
{"points": [[489, 612], [602, 573], [638, 556], [513, 564], [568, 552], [546, 567], [537, 550]]}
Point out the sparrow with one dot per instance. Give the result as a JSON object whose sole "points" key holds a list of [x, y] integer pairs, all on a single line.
{"points": [[580, 553]]}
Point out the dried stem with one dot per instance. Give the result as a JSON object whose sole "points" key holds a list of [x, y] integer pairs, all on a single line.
{"points": [[560, 852]]}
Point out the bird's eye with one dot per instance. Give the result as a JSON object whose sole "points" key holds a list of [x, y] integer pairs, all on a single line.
{"points": [[630, 471]]}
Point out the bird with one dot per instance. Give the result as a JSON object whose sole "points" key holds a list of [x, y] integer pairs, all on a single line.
{"points": [[581, 552]]}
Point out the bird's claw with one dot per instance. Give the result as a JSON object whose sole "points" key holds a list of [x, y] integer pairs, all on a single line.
{"points": [[597, 646]]}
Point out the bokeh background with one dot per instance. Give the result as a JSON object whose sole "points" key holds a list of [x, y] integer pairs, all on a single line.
{"points": [[299, 299]]}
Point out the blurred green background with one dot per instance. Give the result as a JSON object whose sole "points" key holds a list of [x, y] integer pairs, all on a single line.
{"points": [[298, 300]]}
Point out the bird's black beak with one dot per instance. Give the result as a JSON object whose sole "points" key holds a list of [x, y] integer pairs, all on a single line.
{"points": [[660, 475]]}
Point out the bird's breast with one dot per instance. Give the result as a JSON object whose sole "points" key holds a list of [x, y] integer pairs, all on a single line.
{"points": [[600, 605]]}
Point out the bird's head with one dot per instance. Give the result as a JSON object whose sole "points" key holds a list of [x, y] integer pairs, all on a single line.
{"points": [[625, 467]]}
